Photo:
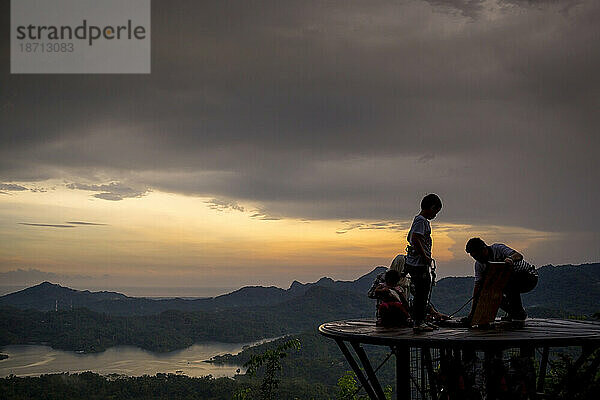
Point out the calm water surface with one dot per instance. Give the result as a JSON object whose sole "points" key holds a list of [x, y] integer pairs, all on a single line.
{"points": [[31, 360]]}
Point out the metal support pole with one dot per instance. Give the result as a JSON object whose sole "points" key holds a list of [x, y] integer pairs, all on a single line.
{"points": [[354, 365], [402, 372], [542, 373], [488, 374], [430, 375], [422, 368], [528, 352], [590, 372], [368, 369]]}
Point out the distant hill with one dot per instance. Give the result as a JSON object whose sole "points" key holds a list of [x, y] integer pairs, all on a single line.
{"points": [[449, 294], [82, 329], [361, 285], [562, 290], [569, 288], [48, 296]]}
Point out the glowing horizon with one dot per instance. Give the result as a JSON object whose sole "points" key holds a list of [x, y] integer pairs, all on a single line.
{"points": [[179, 239], [297, 143]]}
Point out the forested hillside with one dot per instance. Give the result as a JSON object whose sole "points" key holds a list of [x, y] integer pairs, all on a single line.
{"points": [[90, 331], [245, 315]]}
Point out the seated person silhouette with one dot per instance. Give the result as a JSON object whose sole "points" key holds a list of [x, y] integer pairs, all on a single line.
{"points": [[392, 304], [406, 287]]}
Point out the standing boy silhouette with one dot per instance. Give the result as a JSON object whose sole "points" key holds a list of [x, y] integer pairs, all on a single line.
{"points": [[418, 258]]}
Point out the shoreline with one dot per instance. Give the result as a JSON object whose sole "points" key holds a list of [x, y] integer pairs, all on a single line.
{"points": [[192, 361]]}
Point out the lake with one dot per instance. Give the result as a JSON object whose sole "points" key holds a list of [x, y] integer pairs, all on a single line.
{"points": [[32, 360]]}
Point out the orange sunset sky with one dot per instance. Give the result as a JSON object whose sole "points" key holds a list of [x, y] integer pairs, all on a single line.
{"points": [[279, 141]]}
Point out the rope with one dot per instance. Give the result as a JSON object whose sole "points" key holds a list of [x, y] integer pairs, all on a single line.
{"points": [[433, 276], [433, 268], [463, 306]]}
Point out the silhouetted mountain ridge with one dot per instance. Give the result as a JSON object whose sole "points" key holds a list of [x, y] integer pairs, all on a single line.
{"points": [[47, 296], [265, 312], [90, 331], [561, 291], [60, 296], [564, 290]]}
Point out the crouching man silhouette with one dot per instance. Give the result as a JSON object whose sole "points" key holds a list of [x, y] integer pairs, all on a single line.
{"points": [[523, 277]]}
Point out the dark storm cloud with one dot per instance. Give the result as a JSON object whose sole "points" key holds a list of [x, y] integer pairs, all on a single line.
{"points": [[113, 191], [469, 8], [391, 225], [334, 110], [474, 8], [12, 187], [84, 223], [264, 217], [72, 224], [48, 225], [224, 204]]}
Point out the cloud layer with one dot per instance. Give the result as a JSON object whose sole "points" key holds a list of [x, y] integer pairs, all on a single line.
{"points": [[337, 110]]}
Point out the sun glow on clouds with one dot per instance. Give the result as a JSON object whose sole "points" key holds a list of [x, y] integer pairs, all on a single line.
{"points": [[172, 239]]}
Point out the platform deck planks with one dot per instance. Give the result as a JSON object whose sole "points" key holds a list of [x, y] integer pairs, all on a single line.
{"points": [[535, 332]]}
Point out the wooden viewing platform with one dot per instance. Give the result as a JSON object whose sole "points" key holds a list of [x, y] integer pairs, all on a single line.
{"points": [[534, 334]]}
